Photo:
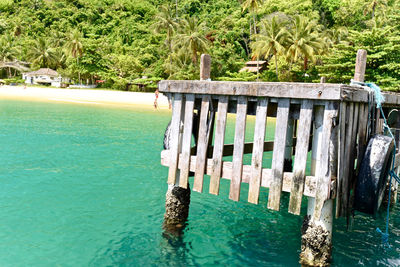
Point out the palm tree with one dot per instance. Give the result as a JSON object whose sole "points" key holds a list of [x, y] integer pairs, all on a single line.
{"points": [[303, 41], [253, 6], [372, 5], [337, 35], [41, 53], [74, 47], [271, 40], [191, 37], [165, 22], [8, 52]]}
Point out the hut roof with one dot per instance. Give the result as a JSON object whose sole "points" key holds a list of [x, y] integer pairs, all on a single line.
{"points": [[43, 71], [254, 62], [252, 66]]}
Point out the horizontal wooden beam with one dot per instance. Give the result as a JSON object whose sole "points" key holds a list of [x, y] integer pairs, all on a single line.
{"points": [[316, 91], [248, 148], [309, 187]]}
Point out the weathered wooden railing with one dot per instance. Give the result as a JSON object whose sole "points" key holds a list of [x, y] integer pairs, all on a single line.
{"points": [[338, 105], [333, 121]]}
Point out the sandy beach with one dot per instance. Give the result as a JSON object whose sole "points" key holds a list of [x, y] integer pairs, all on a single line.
{"points": [[82, 96]]}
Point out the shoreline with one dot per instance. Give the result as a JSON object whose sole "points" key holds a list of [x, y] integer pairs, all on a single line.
{"points": [[83, 96]]}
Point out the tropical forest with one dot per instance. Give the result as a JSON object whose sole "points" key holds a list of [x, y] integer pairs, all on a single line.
{"points": [[119, 42]]}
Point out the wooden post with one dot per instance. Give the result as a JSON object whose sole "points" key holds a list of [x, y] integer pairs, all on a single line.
{"points": [[178, 194], [205, 67], [361, 63], [177, 198], [316, 243], [317, 231]]}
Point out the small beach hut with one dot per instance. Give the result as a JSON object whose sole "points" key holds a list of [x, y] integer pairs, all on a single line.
{"points": [[253, 66], [44, 76]]}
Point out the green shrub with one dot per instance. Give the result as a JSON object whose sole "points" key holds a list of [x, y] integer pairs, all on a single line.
{"points": [[14, 80]]}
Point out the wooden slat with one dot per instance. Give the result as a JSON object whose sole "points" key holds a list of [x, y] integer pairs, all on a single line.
{"points": [[322, 169], [309, 187], [218, 145], [248, 147], [175, 137], [237, 162], [300, 160], [378, 124], [345, 188], [202, 144], [362, 133], [341, 158], [258, 150], [274, 196], [186, 141]]}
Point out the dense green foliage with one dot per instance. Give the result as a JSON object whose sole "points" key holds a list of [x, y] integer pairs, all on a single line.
{"points": [[120, 41]]}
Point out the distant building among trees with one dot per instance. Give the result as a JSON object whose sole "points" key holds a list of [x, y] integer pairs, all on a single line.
{"points": [[44, 76], [253, 66]]}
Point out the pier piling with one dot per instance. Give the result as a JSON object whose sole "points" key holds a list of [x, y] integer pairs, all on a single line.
{"points": [[184, 123]]}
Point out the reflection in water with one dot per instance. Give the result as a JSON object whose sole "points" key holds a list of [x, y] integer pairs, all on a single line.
{"points": [[145, 249]]}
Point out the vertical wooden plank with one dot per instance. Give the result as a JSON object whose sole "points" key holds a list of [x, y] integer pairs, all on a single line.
{"points": [[186, 141], [354, 134], [278, 155], [175, 137], [362, 133], [323, 173], [378, 125], [258, 150], [341, 159], [216, 168], [237, 162], [202, 145], [300, 160], [345, 190], [353, 155]]}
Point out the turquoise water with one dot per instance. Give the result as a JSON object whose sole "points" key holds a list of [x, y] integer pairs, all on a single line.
{"points": [[83, 186]]}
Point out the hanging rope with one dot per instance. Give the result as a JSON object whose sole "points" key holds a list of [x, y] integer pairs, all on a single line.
{"points": [[379, 99]]}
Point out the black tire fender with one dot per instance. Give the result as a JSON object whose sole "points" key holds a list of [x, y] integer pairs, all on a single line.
{"points": [[373, 174]]}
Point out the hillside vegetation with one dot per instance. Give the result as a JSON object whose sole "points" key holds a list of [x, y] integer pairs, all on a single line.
{"points": [[118, 41]]}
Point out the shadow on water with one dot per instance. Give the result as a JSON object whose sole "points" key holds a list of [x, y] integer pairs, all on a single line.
{"points": [[167, 249]]}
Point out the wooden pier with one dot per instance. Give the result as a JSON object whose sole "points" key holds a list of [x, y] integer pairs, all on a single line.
{"points": [[331, 121]]}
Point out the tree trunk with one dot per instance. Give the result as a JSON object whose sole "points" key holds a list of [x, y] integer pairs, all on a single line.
{"points": [[79, 73], [170, 53], [246, 47], [255, 32], [194, 55], [276, 64], [250, 31], [254, 23], [305, 63]]}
